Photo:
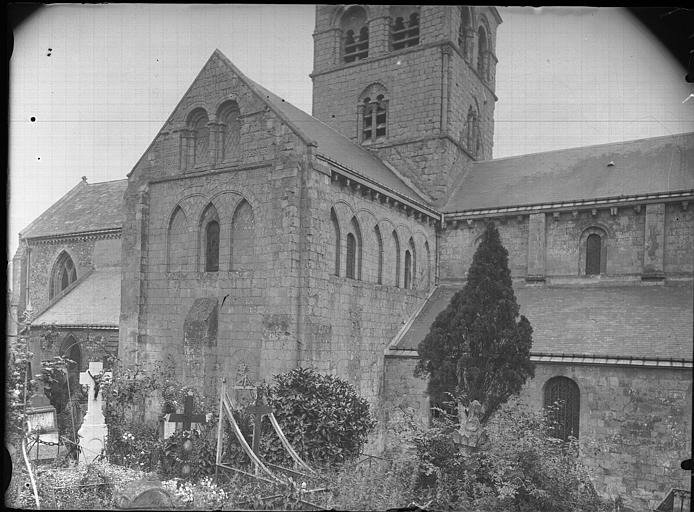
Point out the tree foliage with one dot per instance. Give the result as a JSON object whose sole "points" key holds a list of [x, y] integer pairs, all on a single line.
{"points": [[478, 348]]}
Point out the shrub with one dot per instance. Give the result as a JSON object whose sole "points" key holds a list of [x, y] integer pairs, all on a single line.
{"points": [[322, 416], [522, 467]]}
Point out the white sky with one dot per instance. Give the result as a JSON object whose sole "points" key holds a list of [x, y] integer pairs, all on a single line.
{"points": [[566, 77]]}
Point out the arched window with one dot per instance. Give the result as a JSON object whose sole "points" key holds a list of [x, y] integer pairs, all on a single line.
{"points": [[464, 30], [563, 398], [210, 239], [199, 137], [63, 275], [396, 249], [404, 32], [373, 113], [593, 253], [482, 53], [176, 247], [427, 264], [230, 133], [412, 265], [351, 256], [335, 245], [379, 254], [243, 237], [472, 131], [356, 34], [354, 251], [408, 269]]}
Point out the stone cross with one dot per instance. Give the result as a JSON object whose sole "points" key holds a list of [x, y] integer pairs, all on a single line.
{"points": [[258, 411], [187, 417], [93, 431]]}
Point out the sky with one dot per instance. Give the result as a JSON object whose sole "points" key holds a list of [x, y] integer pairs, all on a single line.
{"points": [[91, 85]]}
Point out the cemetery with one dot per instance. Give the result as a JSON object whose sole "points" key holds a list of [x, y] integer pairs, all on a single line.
{"points": [[301, 441]]}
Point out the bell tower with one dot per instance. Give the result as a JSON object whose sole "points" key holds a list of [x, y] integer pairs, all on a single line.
{"points": [[412, 83]]}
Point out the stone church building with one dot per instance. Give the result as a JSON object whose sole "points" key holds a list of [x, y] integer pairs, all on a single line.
{"points": [[253, 234]]}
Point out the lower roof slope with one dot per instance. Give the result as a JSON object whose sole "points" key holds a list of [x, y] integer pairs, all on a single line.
{"points": [[95, 302], [633, 321]]}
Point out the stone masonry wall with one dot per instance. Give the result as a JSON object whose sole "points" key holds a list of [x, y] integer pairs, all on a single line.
{"points": [[458, 245], [635, 427], [256, 306], [565, 243], [349, 322], [42, 260], [679, 240]]}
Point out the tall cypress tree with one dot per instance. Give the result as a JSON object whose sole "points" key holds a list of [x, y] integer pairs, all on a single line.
{"points": [[478, 348]]}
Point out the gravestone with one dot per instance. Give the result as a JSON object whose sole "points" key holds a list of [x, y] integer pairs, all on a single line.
{"points": [[144, 494], [93, 431], [187, 418]]}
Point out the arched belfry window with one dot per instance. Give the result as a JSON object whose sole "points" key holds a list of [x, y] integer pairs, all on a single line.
{"points": [[335, 242], [210, 239], [176, 247], [404, 30], [465, 32], [373, 113], [198, 137], [230, 132], [63, 275], [563, 399], [243, 237], [482, 53], [379, 254], [355, 30]]}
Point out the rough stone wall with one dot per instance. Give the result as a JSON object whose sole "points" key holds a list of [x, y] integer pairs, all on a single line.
{"points": [[43, 258], [564, 243], [256, 319], [625, 241], [679, 240], [349, 322], [635, 427], [457, 246]]}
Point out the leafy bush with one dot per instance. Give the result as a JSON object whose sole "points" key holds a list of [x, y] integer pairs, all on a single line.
{"points": [[322, 416], [522, 467]]}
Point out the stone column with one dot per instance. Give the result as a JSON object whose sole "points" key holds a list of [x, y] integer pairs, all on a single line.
{"points": [[379, 33], [654, 241], [469, 44], [536, 247]]}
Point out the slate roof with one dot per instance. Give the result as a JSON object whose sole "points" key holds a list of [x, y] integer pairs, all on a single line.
{"points": [[637, 321], [659, 164], [95, 302], [87, 207], [330, 143]]}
